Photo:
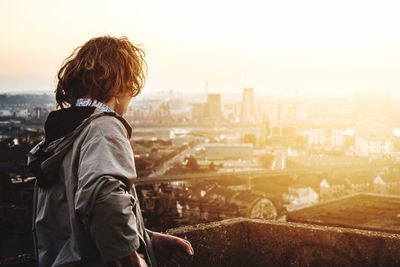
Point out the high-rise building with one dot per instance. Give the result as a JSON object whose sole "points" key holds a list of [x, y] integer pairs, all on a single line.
{"points": [[284, 112], [248, 112], [214, 106]]}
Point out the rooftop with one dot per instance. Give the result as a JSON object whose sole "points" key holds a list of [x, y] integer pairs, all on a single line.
{"points": [[361, 211]]}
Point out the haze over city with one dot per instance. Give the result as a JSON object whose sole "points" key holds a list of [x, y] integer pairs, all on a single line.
{"points": [[307, 47], [261, 123]]}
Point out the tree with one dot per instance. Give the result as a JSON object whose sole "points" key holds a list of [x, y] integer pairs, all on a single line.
{"points": [[211, 166], [191, 163]]}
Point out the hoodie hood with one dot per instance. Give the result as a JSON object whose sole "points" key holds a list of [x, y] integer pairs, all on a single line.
{"points": [[61, 122], [62, 127]]}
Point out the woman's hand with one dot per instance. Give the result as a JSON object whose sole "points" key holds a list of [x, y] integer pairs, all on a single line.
{"points": [[175, 249]]}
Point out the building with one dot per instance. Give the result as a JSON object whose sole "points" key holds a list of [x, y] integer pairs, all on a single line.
{"points": [[331, 188], [300, 196], [284, 121], [213, 106], [254, 205], [373, 142], [5, 113], [152, 134], [327, 137], [228, 151], [163, 113], [10, 128], [248, 110], [287, 112], [243, 203], [22, 114]]}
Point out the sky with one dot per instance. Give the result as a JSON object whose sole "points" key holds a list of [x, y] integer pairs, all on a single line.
{"points": [[308, 46]]}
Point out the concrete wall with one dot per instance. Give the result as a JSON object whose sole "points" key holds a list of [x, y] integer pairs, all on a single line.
{"points": [[244, 242]]}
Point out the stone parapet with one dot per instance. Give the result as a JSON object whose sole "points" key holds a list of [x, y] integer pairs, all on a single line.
{"points": [[245, 242]]}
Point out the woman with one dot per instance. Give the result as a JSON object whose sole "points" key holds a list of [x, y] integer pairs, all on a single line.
{"points": [[86, 211]]}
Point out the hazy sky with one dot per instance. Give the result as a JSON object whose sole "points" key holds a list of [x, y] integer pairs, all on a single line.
{"points": [[320, 46]]}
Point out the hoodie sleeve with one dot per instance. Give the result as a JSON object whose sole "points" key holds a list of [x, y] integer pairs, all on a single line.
{"points": [[102, 201]]}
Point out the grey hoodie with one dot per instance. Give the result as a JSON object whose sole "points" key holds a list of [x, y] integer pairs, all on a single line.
{"points": [[86, 210]]}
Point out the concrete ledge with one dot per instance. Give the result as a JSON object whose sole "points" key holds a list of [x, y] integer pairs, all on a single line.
{"points": [[245, 242]]}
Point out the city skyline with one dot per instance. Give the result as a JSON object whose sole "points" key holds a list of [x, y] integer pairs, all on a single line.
{"points": [[283, 111], [308, 47]]}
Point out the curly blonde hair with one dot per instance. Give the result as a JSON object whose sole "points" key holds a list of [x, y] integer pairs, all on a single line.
{"points": [[100, 69]]}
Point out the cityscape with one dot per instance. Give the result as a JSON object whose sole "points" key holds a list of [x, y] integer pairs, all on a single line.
{"points": [[208, 157], [264, 133]]}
